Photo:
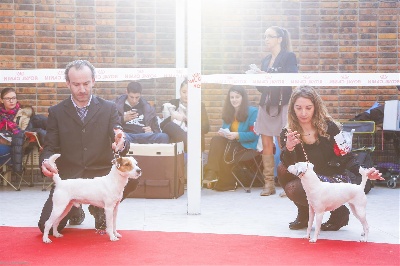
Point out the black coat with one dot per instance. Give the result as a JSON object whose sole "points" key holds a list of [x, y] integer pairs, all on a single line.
{"points": [[85, 147], [285, 62]]}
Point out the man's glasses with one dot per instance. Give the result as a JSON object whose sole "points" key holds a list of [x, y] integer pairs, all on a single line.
{"points": [[9, 99], [270, 36]]}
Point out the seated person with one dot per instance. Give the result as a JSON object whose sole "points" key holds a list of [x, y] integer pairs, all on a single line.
{"points": [[176, 124], [239, 118], [309, 135], [14, 121], [138, 118], [38, 124]]}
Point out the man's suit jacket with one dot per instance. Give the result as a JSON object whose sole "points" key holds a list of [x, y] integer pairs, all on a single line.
{"points": [[85, 147]]}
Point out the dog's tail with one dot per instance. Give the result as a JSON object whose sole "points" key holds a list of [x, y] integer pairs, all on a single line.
{"points": [[52, 161], [363, 171], [56, 178]]}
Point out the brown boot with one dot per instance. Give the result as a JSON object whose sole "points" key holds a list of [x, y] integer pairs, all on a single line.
{"points": [[269, 185]]}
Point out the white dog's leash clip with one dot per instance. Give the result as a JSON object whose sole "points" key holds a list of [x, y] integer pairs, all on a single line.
{"points": [[115, 160]]}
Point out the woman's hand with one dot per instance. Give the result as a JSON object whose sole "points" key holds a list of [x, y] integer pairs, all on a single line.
{"points": [[374, 174], [232, 135], [175, 115], [292, 139]]}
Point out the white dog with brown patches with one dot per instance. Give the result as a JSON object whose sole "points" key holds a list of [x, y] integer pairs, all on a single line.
{"points": [[104, 192], [323, 196]]}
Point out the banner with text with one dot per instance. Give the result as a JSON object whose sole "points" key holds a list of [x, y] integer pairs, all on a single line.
{"points": [[267, 79]]}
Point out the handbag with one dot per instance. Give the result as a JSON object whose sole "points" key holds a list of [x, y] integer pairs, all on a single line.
{"points": [[5, 137], [232, 149]]}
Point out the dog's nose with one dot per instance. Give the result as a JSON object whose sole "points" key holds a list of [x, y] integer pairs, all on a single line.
{"points": [[139, 171]]}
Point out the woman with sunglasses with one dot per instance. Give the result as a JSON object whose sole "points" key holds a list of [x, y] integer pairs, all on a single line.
{"points": [[273, 106]]}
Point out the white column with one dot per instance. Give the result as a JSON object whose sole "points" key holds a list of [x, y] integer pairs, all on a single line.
{"points": [[194, 106], [180, 40]]}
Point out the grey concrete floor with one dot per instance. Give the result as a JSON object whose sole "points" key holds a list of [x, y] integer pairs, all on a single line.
{"points": [[221, 213]]}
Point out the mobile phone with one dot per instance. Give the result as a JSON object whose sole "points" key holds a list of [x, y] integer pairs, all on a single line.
{"points": [[134, 110]]}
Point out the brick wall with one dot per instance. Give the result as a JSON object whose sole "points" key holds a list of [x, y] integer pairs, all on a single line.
{"points": [[327, 36]]}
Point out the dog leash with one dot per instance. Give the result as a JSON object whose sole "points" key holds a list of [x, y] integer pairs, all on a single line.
{"points": [[115, 160], [302, 147], [304, 151]]}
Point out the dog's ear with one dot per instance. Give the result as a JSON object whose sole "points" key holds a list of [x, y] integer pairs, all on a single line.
{"points": [[118, 162], [362, 171], [125, 164]]}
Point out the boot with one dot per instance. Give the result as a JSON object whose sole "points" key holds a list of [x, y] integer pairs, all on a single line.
{"points": [[338, 219], [268, 172], [77, 216], [99, 217], [301, 221]]}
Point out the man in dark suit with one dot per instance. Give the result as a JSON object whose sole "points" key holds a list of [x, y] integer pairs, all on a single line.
{"points": [[83, 128]]}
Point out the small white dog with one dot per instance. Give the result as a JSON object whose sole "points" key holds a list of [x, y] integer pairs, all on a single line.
{"points": [[104, 192], [323, 196]]}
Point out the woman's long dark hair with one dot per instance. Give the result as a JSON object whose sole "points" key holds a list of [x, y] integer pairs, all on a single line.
{"points": [[228, 112], [286, 44], [321, 116]]}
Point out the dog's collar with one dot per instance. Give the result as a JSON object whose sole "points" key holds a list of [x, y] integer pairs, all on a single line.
{"points": [[303, 173], [115, 160]]}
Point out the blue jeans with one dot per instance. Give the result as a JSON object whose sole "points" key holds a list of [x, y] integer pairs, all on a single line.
{"points": [[5, 153], [147, 138]]}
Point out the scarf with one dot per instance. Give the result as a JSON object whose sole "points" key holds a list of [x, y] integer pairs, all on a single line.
{"points": [[7, 119]]}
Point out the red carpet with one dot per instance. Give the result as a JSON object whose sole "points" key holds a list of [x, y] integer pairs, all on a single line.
{"points": [[24, 246]]}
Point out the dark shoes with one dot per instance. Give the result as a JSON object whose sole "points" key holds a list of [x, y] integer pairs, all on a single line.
{"points": [[298, 224], [99, 217], [224, 187], [301, 221], [338, 219], [210, 177], [77, 216], [335, 225]]}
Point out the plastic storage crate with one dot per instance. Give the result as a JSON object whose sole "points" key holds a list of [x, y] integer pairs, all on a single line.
{"points": [[387, 157]]}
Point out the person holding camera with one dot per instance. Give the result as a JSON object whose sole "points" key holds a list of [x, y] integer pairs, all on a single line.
{"points": [[138, 118], [175, 125], [273, 106]]}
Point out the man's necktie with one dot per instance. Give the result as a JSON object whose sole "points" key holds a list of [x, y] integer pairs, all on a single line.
{"points": [[82, 112]]}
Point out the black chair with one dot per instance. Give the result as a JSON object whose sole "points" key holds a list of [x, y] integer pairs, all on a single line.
{"points": [[245, 162]]}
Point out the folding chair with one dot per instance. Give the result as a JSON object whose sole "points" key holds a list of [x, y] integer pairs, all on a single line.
{"points": [[245, 161], [5, 160], [28, 149], [32, 156]]}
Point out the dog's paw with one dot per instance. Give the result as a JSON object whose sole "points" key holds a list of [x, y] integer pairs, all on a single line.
{"points": [[363, 239], [117, 234], [313, 240], [114, 238], [306, 236], [46, 240], [57, 234]]}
